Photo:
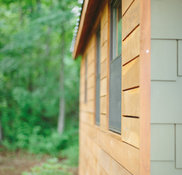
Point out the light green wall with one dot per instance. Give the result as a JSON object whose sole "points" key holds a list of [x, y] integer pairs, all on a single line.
{"points": [[166, 87]]}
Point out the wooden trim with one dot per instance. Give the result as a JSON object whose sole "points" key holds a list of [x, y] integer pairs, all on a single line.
{"points": [[112, 144], [145, 86], [90, 11], [95, 75], [82, 19], [108, 62]]}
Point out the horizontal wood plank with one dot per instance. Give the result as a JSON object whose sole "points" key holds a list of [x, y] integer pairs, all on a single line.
{"points": [[131, 46], [131, 102], [125, 5], [130, 130], [104, 52], [131, 19], [103, 104], [91, 94], [90, 83], [104, 69], [103, 87], [123, 153], [130, 74], [104, 121]]}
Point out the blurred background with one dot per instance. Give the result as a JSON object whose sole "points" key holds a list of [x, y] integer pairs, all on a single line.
{"points": [[39, 87]]}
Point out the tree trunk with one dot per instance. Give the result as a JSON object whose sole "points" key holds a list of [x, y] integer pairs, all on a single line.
{"points": [[38, 5], [21, 13], [1, 134], [62, 99]]}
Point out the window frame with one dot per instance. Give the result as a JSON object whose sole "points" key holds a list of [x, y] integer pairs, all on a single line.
{"points": [[98, 73], [86, 76], [114, 3], [112, 60]]}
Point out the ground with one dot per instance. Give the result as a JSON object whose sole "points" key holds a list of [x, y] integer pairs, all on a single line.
{"points": [[14, 163]]}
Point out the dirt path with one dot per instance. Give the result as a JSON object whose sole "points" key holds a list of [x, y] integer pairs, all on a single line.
{"points": [[16, 163]]}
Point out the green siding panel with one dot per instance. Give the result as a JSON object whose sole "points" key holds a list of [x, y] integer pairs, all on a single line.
{"points": [[180, 58], [166, 87], [162, 142], [166, 19], [164, 60], [166, 101], [164, 168], [178, 146]]}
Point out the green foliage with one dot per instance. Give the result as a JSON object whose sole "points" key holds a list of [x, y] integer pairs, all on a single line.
{"points": [[51, 167], [32, 33]]}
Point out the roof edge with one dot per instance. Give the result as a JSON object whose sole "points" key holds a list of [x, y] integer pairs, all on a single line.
{"points": [[76, 52], [89, 13]]}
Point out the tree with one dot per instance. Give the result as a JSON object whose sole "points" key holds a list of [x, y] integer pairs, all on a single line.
{"points": [[62, 98], [34, 44]]}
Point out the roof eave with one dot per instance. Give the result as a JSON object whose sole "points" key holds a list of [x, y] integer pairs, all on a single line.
{"points": [[89, 12]]}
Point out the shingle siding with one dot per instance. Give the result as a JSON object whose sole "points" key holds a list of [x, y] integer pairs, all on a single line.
{"points": [[166, 87]]}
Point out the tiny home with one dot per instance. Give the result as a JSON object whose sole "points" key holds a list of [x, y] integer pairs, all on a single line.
{"points": [[130, 87]]}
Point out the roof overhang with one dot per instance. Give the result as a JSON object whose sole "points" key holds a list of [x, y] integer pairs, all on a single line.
{"points": [[89, 13]]}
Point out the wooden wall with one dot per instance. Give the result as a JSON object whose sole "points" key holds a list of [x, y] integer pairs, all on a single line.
{"points": [[103, 152], [166, 86]]}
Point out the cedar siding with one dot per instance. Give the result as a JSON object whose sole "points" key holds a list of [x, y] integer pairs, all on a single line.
{"points": [[103, 152]]}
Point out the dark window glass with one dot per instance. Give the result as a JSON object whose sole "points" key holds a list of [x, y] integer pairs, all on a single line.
{"points": [[86, 79], [115, 68], [98, 77], [116, 29]]}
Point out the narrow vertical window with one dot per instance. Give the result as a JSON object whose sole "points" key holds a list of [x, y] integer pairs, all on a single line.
{"points": [[98, 76], [86, 79], [115, 68]]}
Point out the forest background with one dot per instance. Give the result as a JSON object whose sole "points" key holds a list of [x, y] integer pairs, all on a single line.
{"points": [[39, 80]]}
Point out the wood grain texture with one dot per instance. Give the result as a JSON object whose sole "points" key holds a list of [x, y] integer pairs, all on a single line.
{"points": [[103, 105], [131, 19], [145, 86], [91, 69], [91, 94], [89, 14], [104, 69], [126, 155], [131, 46], [130, 74], [104, 31], [131, 103], [75, 54], [91, 81], [125, 5], [103, 87], [104, 51], [104, 121], [130, 130], [104, 152], [87, 117]]}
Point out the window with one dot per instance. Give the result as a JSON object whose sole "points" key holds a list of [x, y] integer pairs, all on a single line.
{"points": [[115, 68], [86, 79], [116, 28], [97, 113]]}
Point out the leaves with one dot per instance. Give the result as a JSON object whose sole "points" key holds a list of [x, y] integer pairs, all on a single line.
{"points": [[30, 57]]}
